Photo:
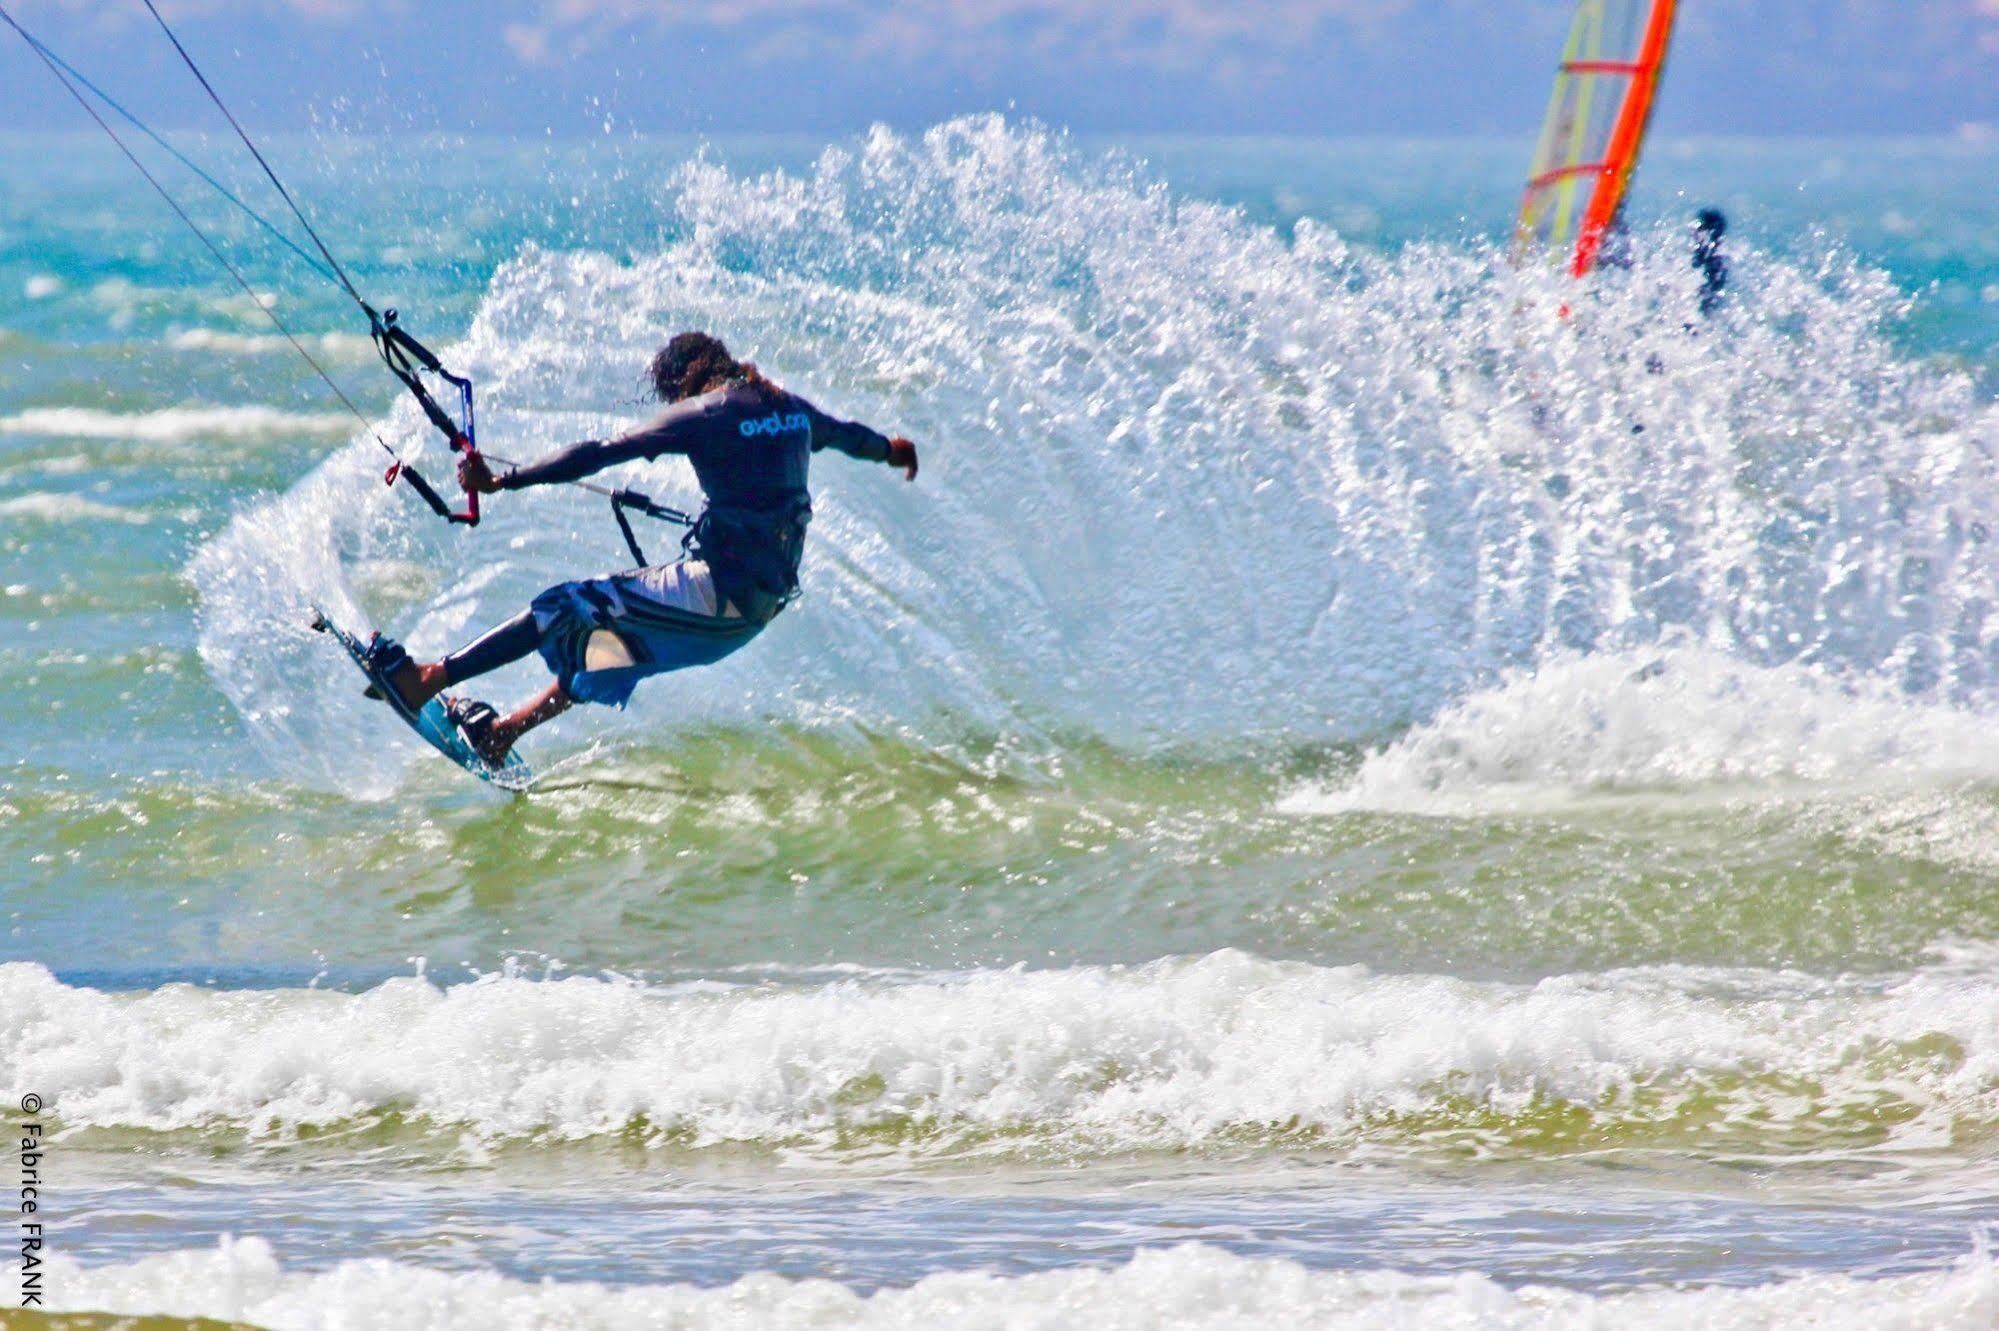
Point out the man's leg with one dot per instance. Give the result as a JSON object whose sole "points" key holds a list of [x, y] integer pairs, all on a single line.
{"points": [[419, 683], [507, 731]]}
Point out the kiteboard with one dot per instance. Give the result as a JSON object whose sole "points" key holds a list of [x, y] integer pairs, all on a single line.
{"points": [[431, 722]]}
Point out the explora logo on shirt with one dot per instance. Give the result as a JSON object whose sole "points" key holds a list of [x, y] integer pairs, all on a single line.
{"points": [[776, 424]]}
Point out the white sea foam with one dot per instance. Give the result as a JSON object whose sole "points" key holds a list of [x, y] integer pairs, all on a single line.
{"points": [[44, 507], [1656, 720], [351, 345], [1185, 478], [174, 424], [1167, 1289], [1168, 1054]]}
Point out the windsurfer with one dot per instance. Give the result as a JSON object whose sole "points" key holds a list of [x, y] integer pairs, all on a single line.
{"points": [[1710, 226]]}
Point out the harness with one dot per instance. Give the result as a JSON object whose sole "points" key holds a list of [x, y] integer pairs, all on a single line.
{"points": [[756, 549]]}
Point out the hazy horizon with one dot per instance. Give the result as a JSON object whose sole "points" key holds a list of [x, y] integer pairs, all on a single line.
{"points": [[1288, 68]]}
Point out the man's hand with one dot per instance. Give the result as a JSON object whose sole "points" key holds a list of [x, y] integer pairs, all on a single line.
{"points": [[902, 453], [475, 476]]}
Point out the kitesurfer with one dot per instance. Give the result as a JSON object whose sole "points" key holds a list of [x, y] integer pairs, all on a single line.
{"points": [[750, 443]]}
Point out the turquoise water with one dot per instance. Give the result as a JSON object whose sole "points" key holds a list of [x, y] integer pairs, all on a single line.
{"points": [[1342, 792]]}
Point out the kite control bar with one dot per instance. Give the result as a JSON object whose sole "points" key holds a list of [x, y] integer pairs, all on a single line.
{"points": [[407, 358]]}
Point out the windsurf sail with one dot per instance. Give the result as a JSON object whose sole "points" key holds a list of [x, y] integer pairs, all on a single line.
{"points": [[1595, 129]]}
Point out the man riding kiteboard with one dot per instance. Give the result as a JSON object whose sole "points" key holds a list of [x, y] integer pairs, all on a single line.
{"points": [[750, 443]]}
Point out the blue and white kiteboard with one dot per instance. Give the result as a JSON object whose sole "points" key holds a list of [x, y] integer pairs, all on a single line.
{"points": [[431, 721]]}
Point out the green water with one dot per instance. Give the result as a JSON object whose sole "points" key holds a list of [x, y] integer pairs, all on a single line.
{"points": [[1328, 764]]}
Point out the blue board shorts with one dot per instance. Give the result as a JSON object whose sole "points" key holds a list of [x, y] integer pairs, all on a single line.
{"points": [[662, 618]]}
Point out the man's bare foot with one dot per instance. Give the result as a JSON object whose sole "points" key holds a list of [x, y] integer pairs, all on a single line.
{"points": [[414, 684], [482, 728], [418, 684], [493, 736], [496, 744]]}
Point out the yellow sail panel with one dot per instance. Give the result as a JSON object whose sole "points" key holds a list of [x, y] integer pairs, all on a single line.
{"points": [[1596, 122]]}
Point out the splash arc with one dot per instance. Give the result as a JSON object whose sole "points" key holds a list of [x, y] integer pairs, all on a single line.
{"points": [[1595, 128]]}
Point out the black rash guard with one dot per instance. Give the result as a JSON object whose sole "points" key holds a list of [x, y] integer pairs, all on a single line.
{"points": [[751, 444]]}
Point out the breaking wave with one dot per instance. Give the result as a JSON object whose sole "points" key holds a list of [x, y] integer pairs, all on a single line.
{"points": [[174, 424], [1657, 720], [1223, 1051], [1171, 1289]]}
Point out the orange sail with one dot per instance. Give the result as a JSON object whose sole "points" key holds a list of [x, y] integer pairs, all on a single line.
{"points": [[1595, 128]]}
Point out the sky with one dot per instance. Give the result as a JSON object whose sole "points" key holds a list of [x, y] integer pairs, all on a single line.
{"points": [[1376, 68]]}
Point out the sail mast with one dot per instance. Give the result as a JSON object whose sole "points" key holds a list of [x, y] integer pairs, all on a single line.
{"points": [[1605, 88]]}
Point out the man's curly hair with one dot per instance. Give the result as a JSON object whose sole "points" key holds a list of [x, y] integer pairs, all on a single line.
{"points": [[692, 364]]}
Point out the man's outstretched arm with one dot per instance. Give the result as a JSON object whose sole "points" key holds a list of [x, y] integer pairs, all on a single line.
{"points": [[673, 431], [858, 441]]}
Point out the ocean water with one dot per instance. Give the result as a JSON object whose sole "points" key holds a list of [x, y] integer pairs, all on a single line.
{"points": [[1343, 796]]}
